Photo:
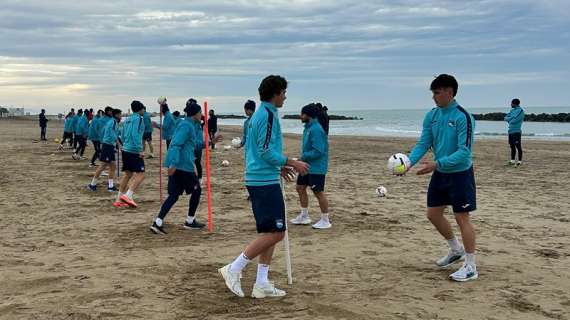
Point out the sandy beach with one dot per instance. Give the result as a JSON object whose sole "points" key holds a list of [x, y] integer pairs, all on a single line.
{"points": [[66, 253]]}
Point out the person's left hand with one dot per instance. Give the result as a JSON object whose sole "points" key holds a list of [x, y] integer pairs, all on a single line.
{"points": [[426, 167]]}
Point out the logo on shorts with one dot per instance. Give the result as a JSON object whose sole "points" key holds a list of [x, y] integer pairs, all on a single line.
{"points": [[465, 206], [451, 123], [142, 168], [279, 223]]}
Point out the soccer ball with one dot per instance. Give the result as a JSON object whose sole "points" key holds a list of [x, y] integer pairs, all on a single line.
{"points": [[161, 100], [236, 142], [381, 191], [225, 163], [399, 163]]}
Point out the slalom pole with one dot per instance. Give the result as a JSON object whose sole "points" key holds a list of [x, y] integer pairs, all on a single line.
{"points": [[286, 239], [160, 156], [208, 175], [118, 161]]}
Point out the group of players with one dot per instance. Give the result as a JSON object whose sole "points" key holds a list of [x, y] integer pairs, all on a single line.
{"points": [[448, 131]]}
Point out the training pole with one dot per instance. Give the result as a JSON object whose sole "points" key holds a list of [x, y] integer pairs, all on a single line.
{"points": [[118, 162], [208, 176], [286, 240], [160, 156]]}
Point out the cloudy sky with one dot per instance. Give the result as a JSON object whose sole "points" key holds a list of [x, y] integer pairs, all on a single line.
{"points": [[347, 54]]}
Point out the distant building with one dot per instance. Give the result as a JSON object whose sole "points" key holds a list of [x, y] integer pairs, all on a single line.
{"points": [[16, 112]]}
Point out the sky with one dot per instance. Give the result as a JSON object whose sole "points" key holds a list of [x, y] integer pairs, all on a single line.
{"points": [[345, 54]]}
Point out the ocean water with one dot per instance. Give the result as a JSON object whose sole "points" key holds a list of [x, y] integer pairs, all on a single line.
{"points": [[408, 123]]}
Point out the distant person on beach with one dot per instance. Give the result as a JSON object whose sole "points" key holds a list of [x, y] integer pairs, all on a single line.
{"points": [[168, 124], [109, 139], [249, 109], [515, 119], [43, 125], [315, 152], [448, 132], [133, 156], [323, 117], [212, 127], [265, 163], [93, 135], [147, 135], [67, 130], [81, 132], [74, 121], [182, 175], [177, 119]]}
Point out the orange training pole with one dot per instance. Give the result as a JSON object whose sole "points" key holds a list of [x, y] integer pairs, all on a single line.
{"points": [[209, 186]]}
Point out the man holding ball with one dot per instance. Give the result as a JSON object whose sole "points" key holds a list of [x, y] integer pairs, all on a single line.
{"points": [[448, 131]]}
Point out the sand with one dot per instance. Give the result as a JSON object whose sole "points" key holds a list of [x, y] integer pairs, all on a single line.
{"points": [[67, 253]]}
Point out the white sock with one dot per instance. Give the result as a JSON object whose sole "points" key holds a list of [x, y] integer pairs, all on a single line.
{"points": [[325, 217], [130, 194], [470, 258], [158, 222], [262, 274], [239, 263], [190, 219], [454, 244], [94, 181], [305, 212], [111, 183]]}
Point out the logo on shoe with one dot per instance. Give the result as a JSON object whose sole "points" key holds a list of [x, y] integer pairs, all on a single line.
{"points": [[279, 223]]}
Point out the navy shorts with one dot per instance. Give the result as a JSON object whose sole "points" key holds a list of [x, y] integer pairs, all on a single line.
{"points": [[515, 138], [315, 181], [268, 208], [182, 181], [107, 153], [147, 136], [456, 189], [132, 162]]}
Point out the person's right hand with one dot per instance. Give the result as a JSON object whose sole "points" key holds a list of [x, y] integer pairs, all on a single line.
{"points": [[301, 167], [171, 171]]}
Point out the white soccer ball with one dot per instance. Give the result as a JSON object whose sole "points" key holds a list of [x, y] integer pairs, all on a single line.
{"points": [[225, 163], [236, 142], [399, 163], [161, 100], [381, 191], [227, 147]]}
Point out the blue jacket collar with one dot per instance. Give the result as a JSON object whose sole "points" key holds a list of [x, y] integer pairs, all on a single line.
{"points": [[269, 106], [311, 123], [452, 105]]}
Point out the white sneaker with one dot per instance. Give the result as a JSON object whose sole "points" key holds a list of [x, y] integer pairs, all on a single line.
{"points": [[301, 219], [519, 163], [450, 258], [465, 273], [322, 224], [268, 290], [233, 280]]}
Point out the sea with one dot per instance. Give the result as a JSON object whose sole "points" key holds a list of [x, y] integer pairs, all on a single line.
{"points": [[408, 123]]}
